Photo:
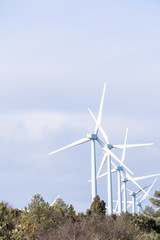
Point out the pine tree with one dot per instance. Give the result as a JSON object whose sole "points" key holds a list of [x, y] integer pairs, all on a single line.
{"points": [[154, 211], [71, 212], [38, 218], [9, 217], [60, 206], [37, 209], [98, 207]]}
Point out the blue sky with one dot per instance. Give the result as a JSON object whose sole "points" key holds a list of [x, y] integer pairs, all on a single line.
{"points": [[55, 57]]}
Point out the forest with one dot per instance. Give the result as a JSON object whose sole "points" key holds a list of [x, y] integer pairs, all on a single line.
{"points": [[40, 221]]}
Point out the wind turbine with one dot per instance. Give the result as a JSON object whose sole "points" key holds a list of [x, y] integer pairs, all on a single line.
{"points": [[139, 204], [108, 154], [92, 138], [107, 148], [124, 189], [134, 194], [119, 146], [128, 202], [126, 179]]}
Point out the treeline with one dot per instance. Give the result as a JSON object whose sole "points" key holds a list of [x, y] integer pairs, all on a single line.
{"points": [[40, 221]]}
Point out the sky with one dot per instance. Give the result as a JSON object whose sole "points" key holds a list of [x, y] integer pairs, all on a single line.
{"points": [[55, 57]]}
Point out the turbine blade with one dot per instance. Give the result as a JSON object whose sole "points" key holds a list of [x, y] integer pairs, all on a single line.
{"points": [[132, 145], [128, 206], [143, 189], [129, 190], [102, 163], [115, 212], [54, 201], [141, 209], [116, 206], [147, 193], [101, 143], [137, 198], [123, 174], [122, 188], [118, 160], [100, 111], [83, 140], [124, 149], [104, 174], [132, 180], [144, 177], [114, 165], [100, 128]]}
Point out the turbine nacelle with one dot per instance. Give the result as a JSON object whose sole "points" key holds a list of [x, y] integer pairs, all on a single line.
{"points": [[133, 194], [92, 136], [109, 146], [124, 180], [138, 204], [119, 168]]}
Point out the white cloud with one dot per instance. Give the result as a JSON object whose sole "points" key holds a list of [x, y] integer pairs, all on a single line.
{"points": [[35, 125]]}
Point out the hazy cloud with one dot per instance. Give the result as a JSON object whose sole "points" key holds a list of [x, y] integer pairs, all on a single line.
{"points": [[55, 58]]}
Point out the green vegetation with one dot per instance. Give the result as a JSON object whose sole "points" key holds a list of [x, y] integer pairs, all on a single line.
{"points": [[40, 221], [154, 211]]}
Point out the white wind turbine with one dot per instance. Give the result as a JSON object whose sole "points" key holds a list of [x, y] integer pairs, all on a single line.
{"points": [[134, 195], [107, 148], [128, 202], [139, 203], [125, 178], [124, 189], [94, 137], [90, 137], [119, 169]]}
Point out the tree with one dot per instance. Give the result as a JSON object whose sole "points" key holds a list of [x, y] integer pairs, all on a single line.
{"points": [[60, 206], [37, 209], [71, 212], [145, 222], [154, 211], [9, 217], [38, 219], [88, 212], [98, 207]]}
